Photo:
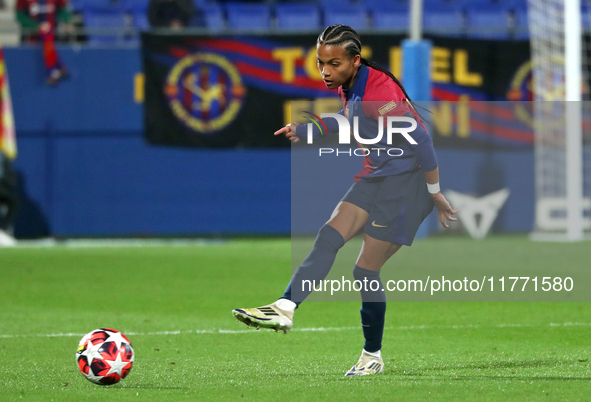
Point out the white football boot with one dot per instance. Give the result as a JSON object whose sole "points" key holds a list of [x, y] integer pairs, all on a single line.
{"points": [[277, 316], [367, 364]]}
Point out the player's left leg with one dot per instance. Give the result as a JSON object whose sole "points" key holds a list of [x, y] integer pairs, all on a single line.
{"points": [[374, 254], [399, 208]]}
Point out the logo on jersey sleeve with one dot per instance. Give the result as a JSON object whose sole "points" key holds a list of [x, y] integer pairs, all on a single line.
{"points": [[386, 108]]}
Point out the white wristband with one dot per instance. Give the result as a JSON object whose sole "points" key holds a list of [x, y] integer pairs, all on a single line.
{"points": [[433, 188]]}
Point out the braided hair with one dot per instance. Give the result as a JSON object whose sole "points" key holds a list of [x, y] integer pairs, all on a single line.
{"points": [[343, 35]]}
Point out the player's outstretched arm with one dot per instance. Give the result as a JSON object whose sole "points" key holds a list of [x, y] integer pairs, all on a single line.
{"points": [[444, 211], [289, 131]]}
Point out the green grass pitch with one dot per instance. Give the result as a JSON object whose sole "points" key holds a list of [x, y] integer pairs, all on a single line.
{"points": [[432, 351]]}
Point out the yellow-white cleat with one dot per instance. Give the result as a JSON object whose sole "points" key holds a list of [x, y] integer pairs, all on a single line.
{"points": [[277, 316], [367, 364]]}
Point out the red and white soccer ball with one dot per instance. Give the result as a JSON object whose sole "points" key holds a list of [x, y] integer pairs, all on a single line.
{"points": [[104, 356]]}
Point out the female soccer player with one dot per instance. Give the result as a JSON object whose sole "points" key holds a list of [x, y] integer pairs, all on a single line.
{"points": [[389, 198]]}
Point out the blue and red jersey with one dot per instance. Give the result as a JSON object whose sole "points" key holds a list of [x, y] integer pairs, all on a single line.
{"points": [[372, 95]]}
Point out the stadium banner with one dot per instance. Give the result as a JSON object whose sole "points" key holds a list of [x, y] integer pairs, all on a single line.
{"points": [[374, 155], [236, 90]]}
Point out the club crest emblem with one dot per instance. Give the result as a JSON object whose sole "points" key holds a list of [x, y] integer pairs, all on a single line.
{"points": [[205, 92]]}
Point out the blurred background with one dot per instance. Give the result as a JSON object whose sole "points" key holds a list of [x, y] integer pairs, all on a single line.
{"points": [[118, 130]]}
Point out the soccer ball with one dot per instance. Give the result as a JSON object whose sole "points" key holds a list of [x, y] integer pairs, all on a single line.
{"points": [[104, 356]]}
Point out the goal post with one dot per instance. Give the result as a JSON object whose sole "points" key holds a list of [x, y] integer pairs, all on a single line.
{"points": [[557, 46], [574, 122], [416, 70]]}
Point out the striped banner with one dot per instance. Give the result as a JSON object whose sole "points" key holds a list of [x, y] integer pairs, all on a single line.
{"points": [[233, 90], [7, 134]]}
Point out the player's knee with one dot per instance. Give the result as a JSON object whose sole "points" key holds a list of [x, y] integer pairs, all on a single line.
{"points": [[372, 263], [330, 238], [361, 273], [372, 291]]}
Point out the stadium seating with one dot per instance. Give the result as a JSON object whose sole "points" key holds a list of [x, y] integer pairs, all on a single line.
{"points": [[490, 19], [139, 12], [134, 5], [444, 19], [354, 16], [393, 15], [202, 4], [390, 20], [77, 5], [102, 5], [438, 16], [248, 16], [485, 4], [101, 22], [298, 16], [386, 5], [437, 4], [491, 22], [335, 3], [140, 20], [214, 17], [521, 29], [586, 20]]}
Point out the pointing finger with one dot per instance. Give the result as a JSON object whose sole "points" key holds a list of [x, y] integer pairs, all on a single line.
{"points": [[281, 130]]}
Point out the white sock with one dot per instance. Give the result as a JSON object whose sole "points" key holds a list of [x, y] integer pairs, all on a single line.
{"points": [[285, 304], [377, 354]]}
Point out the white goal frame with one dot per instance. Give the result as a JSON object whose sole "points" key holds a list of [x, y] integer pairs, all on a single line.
{"points": [[564, 27]]}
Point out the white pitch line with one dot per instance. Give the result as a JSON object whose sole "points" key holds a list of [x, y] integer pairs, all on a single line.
{"points": [[318, 329], [98, 243]]}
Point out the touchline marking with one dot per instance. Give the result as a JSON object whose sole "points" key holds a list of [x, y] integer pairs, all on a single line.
{"points": [[318, 329], [109, 243]]}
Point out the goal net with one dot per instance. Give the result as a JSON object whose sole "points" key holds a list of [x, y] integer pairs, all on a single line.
{"points": [[559, 35]]}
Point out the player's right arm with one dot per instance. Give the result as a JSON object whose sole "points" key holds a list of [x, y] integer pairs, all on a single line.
{"points": [[444, 211]]}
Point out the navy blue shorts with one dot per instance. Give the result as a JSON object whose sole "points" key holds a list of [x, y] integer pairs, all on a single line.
{"points": [[397, 205]]}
